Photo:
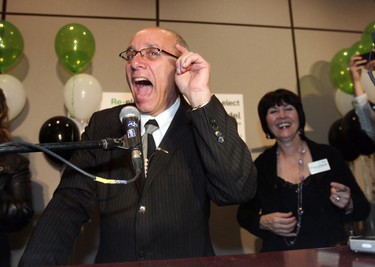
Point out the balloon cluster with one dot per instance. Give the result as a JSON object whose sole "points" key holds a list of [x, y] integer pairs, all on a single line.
{"points": [[75, 48], [346, 135], [11, 50], [339, 72]]}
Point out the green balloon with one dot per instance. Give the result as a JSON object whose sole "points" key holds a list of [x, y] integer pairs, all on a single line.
{"points": [[339, 72], [11, 45], [362, 46], [369, 29], [75, 47]]}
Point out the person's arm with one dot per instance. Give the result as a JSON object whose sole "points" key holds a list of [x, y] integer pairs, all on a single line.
{"points": [[357, 206], [259, 215], [250, 218], [192, 77], [226, 157], [15, 198], [365, 113]]}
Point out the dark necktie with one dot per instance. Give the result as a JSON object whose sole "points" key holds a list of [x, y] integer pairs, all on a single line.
{"points": [[148, 141]]}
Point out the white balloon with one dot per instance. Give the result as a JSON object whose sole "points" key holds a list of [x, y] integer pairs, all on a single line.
{"points": [[368, 85], [15, 94], [343, 102], [82, 96]]}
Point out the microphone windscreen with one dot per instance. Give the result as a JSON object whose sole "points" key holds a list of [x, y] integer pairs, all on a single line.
{"points": [[129, 111]]}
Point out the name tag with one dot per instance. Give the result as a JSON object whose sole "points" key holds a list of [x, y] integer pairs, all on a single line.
{"points": [[319, 166]]}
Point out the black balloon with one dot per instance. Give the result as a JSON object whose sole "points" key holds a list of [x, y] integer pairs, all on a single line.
{"points": [[353, 133], [337, 139], [59, 129]]}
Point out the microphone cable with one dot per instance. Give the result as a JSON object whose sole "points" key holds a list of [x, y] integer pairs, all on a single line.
{"points": [[55, 155]]}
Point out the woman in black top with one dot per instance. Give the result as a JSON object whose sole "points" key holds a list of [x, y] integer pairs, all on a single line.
{"points": [[306, 192], [15, 189]]}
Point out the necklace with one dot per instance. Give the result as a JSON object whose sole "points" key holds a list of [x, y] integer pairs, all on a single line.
{"points": [[299, 191]]}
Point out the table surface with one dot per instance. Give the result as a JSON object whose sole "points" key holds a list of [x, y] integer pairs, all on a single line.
{"points": [[324, 257]]}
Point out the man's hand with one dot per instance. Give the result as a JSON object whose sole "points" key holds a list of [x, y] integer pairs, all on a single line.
{"points": [[192, 77]]}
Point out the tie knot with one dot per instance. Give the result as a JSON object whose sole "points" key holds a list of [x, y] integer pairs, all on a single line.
{"points": [[151, 126]]}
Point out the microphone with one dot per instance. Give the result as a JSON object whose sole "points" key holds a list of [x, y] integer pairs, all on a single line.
{"points": [[129, 117]]}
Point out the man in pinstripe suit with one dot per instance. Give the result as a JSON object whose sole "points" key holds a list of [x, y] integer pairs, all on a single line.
{"points": [[200, 159]]}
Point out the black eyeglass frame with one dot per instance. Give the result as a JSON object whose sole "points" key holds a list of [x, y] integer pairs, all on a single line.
{"points": [[121, 55]]}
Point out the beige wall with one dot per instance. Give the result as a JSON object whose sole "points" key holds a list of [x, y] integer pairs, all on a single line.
{"points": [[253, 46]]}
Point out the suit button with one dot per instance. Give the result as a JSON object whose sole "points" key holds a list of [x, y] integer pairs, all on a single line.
{"points": [[142, 209], [141, 255], [213, 124], [219, 136], [218, 133]]}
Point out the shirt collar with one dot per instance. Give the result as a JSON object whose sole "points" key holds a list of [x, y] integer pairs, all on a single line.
{"points": [[164, 119]]}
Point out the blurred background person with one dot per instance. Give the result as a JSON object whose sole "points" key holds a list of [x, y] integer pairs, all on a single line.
{"points": [[363, 109], [360, 65], [306, 192], [15, 188]]}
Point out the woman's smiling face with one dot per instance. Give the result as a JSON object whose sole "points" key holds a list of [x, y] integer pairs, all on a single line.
{"points": [[283, 121]]}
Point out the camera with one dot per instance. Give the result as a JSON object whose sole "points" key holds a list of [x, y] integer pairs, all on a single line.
{"points": [[368, 56]]}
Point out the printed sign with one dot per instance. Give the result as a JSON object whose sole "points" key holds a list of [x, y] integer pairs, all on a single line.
{"points": [[233, 104]]}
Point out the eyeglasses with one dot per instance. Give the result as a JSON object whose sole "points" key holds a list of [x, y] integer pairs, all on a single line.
{"points": [[149, 53]]}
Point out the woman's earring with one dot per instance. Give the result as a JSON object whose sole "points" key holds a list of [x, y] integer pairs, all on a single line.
{"points": [[268, 136]]}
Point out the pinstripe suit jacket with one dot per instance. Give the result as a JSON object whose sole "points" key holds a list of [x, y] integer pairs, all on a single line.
{"points": [[168, 218]]}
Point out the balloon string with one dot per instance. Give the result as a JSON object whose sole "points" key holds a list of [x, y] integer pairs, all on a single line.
{"points": [[72, 112]]}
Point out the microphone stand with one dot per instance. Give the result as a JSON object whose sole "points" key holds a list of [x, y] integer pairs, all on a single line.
{"points": [[23, 147], [106, 144]]}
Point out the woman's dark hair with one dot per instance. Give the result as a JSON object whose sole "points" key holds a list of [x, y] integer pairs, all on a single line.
{"points": [[278, 98], [4, 119]]}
